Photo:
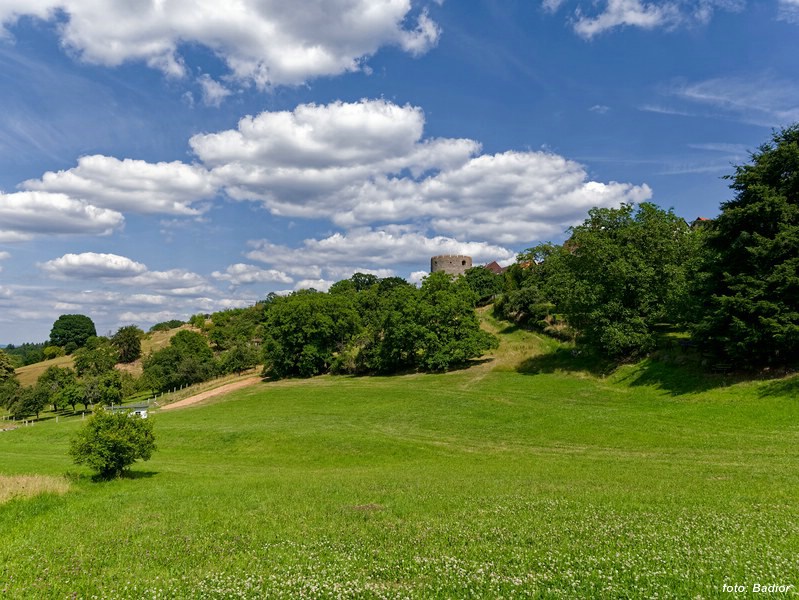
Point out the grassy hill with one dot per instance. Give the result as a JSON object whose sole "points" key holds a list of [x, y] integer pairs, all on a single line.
{"points": [[527, 475]]}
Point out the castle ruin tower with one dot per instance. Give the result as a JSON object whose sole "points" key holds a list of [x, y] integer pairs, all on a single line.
{"points": [[454, 264]]}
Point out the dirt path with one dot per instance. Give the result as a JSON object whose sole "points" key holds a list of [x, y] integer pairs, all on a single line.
{"points": [[223, 389]]}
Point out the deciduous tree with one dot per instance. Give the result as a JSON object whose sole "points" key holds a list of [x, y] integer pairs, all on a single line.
{"points": [[127, 341], [72, 331], [620, 273]]}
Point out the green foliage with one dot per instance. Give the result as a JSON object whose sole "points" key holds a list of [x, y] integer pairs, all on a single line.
{"points": [[484, 283], [451, 332], [53, 384], [237, 326], [21, 402], [7, 370], [749, 289], [188, 359], [73, 394], [305, 331], [199, 321], [96, 357], [112, 441], [25, 354], [239, 358], [72, 331], [127, 341], [103, 389], [368, 325], [167, 325], [392, 338], [621, 272], [51, 352]]}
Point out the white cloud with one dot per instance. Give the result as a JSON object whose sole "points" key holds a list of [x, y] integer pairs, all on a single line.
{"points": [[129, 185], [615, 14], [423, 37], [619, 13], [267, 43], [240, 274], [600, 109], [175, 282], [552, 5], [338, 142], [789, 11], [367, 162], [91, 265], [320, 285], [213, 91], [759, 99], [24, 215], [4, 256], [417, 276], [125, 271]]}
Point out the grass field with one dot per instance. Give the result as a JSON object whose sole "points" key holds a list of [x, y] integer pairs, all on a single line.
{"points": [[524, 476]]}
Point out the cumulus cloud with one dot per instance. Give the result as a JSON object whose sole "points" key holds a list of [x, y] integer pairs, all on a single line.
{"points": [[91, 265], [26, 214], [265, 43], [367, 162], [125, 271], [356, 164], [135, 186]]}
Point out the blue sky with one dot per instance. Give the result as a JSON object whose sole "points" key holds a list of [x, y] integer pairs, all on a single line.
{"points": [[165, 158]]}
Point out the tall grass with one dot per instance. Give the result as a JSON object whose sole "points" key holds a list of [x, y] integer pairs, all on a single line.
{"points": [[26, 486]]}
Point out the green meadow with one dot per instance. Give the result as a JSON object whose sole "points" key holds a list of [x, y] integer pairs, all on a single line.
{"points": [[530, 474]]}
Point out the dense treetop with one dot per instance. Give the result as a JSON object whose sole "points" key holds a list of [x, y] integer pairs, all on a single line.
{"points": [[72, 331]]}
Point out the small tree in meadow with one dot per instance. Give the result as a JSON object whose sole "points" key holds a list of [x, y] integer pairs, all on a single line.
{"points": [[112, 441]]}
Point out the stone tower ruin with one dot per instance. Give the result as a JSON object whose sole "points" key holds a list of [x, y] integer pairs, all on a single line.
{"points": [[454, 264]]}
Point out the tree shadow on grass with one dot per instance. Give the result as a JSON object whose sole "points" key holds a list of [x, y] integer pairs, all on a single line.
{"points": [[138, 474], [510, 328], [75, 476], [126, 474], [566, 360], [675, 378]]}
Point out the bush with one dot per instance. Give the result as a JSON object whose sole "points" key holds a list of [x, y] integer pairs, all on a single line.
{"points": [[112, 441]]}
